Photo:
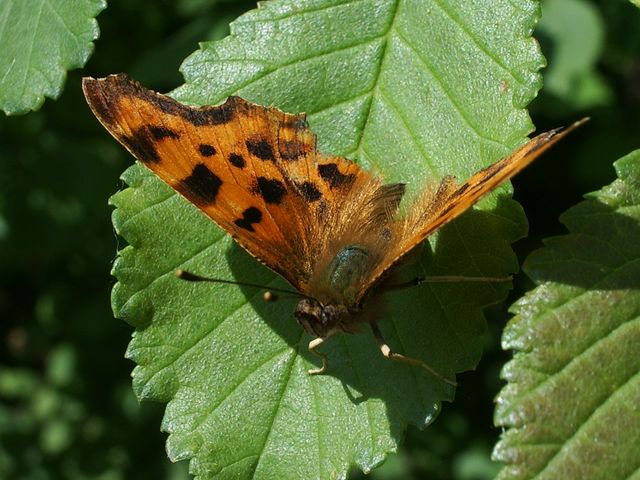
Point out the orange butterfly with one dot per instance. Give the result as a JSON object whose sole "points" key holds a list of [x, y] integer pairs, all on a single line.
{"points": [[327, 226]]}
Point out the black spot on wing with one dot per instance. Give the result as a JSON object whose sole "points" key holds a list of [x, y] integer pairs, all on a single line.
{"points": [[271, 190], [208, 115], [296, 122], [237, 160], [309, 191], [206, 150], [260, 148], [463, 188], [250, 216], [447, 209], [142, 144], [291, 150], [161, 132], [201, 186], [330, 174]]}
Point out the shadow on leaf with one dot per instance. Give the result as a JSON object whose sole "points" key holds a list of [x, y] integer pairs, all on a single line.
{"points": [[439, 323]]}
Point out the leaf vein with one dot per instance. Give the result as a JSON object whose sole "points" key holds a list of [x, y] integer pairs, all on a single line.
{"points": [[30, 51], [144, 210], [235, 387], [441, 84], [272, 69], [319, 414], [356, 372], [383, 56], [405, 124], [455, 19], [171, 270], [351, 99], [226, 467], [61, 20], [589, 289], [285, 385]]}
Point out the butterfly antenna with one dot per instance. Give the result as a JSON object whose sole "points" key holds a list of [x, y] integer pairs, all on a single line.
{"points": [[446, 279], [268, 296]]}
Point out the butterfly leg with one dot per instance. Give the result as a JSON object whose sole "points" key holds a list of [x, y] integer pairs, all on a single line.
{"points": [[313, 345], [391, 355]]}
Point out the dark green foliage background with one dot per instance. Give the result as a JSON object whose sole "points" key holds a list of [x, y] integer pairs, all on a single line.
{"points": [[66, 405]]}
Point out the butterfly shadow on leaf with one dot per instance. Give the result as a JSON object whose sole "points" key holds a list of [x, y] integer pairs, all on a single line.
{"points": [[438, 323]]}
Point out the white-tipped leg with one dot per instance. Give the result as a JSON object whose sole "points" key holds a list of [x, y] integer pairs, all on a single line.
{"points": [[388, 353], [313, 345]]}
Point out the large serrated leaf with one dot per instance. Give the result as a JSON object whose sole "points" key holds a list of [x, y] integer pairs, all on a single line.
{"points": [[41, 40], [572, 404], [414, 89]]}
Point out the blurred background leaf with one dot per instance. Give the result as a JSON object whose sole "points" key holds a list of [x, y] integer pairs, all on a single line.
{"points": [[57, 245], [571, 403], [41, 40], [573, 33]]}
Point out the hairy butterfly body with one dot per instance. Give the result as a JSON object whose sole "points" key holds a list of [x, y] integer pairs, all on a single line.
{"points": [[327, 226]]}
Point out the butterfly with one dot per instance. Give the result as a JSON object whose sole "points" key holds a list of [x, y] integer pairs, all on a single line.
{"points": [[325, 224]]}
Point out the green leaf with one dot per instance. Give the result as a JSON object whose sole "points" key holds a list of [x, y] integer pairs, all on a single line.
{"points": [[41, 40], [415, 90], [571, 404], [636, 3], [575, 32]]}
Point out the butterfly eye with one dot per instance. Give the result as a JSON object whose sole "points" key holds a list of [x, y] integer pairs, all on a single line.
{"points": [[308, 313]]}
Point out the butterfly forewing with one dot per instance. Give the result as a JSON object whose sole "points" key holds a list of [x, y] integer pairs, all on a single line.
{"points": [[222, 159], [253, 170], [438, 206]]}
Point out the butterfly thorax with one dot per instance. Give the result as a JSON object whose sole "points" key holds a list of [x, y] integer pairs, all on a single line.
{"points": [[337, 309]]}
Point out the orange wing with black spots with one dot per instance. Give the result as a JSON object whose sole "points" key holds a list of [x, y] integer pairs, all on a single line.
{"points": [[253, 170], [256, 172]]}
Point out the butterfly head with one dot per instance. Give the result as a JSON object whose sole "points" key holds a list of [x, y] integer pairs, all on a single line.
{"points": [[339, 286], [321, 320]]}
